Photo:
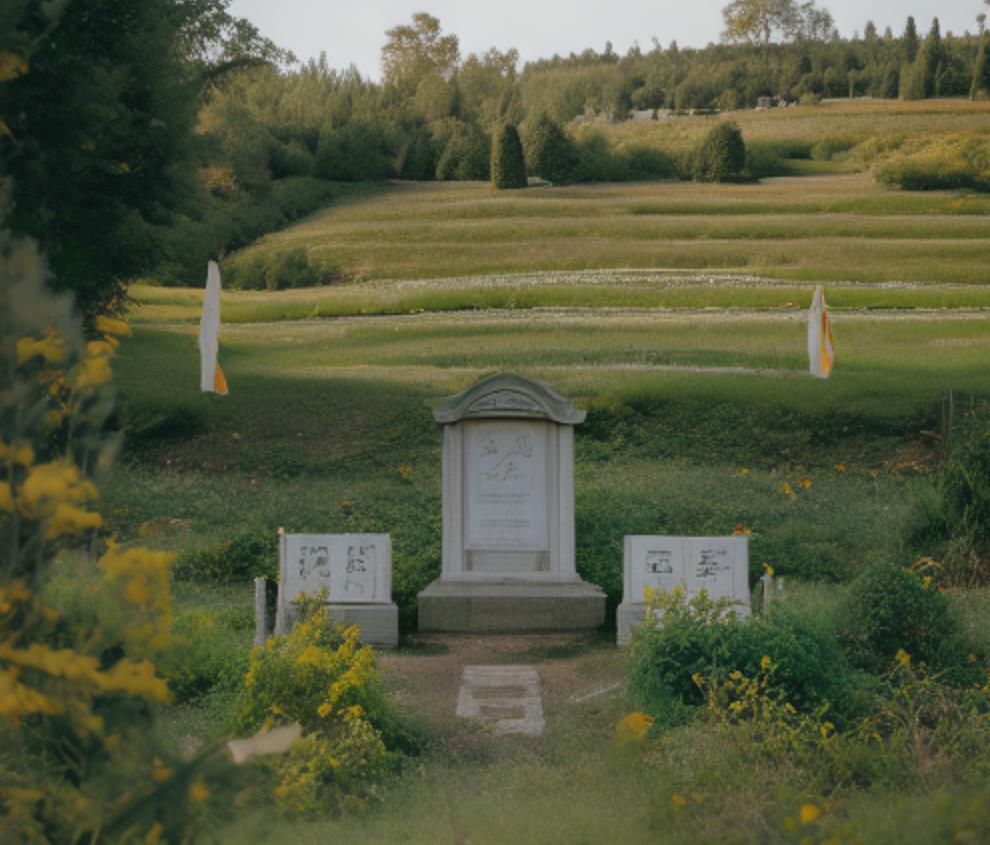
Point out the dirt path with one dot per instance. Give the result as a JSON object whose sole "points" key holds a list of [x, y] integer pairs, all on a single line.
{"points": [[574, 670]]}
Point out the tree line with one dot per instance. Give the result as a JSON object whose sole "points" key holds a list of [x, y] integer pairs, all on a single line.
{"points": [[145, 136]]}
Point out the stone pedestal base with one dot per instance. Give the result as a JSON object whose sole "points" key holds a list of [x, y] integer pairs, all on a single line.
{"points": [[628, 615], [507, 606], [379, 623]]}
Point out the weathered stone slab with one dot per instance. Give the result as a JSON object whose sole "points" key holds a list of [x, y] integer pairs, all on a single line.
{"points": [[506, 696], [510, 606], [356, 572], [719, 565]]}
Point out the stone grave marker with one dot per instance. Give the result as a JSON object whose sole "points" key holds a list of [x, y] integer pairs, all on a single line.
{"points": [[508, 514], [356, 571], [719, 565], [508, 697]]}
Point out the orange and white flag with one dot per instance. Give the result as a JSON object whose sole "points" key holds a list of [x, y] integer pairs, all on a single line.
{"points": [[821, 355], [211, 377]]}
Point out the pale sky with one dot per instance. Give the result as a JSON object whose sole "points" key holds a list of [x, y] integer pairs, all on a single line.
{"points": [[353, 32]]}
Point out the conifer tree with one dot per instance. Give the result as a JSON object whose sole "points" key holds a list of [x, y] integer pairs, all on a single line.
{"points": [[931, 61], [508, 162], [722, 154], [910, 40], [551, 154]]}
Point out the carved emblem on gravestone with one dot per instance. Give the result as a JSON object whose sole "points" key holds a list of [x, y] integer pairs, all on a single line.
{"points": [[503, 400], [507, 470]]}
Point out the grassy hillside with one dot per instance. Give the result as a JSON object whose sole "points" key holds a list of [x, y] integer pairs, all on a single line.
{"points": [[837, 227]]}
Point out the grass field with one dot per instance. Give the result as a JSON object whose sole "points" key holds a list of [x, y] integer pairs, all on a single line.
{"points": [[671, 313], [845, 120], [837, 227]]}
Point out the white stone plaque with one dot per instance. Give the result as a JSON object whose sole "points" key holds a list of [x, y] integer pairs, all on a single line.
{"points": [[719, 565], [353, 568], [507, 485]]}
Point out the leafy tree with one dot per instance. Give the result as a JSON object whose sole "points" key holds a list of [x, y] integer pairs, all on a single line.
{"points": [[756, 21], [414, 51], [98, 122], [508, 162], [722, 154], [550, 152]]}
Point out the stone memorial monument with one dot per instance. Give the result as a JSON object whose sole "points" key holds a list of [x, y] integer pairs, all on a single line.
{"points": [[508, 514], [356, 571], [719, 565]]}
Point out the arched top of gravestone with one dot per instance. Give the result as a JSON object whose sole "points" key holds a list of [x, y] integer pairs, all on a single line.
{"points": [[507, 395]]}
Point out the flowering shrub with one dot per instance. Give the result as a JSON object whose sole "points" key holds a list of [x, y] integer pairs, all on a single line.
{"points": [[75, 696], [320, 676], [700, 637]]}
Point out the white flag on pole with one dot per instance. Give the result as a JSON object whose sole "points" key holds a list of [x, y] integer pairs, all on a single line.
{"points": [[821, 355], [211, 377]]}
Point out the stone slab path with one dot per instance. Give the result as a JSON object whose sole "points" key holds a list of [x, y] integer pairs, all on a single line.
{"points": [[506, 696]]}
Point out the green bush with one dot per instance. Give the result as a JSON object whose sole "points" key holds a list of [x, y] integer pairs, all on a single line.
{"points": [[320, 677], [696, 640], [890, 609], [419, 162], [951, 162], [211, 654], [466, 156], [828, 148], [352, 153], [951, 518], [550, 152], [597, 161], [508, 163], [285, 269], [721, 155], [250, 555]]}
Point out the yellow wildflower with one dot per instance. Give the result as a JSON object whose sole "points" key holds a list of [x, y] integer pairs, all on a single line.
{"points": [[809, 812], [768, 569], [788, 491], [903, 658], [68, 519], [97, 348], [49, 484], [634, 727], [92, 371], [160, 772], [678, 800], [154, 836], [741, 529], [743, 470], [765, 663], [6, 500], [11, 65], [806, 483], [50, 347], [17, 453], [198, 791], [110, 325], [840, 467]]}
